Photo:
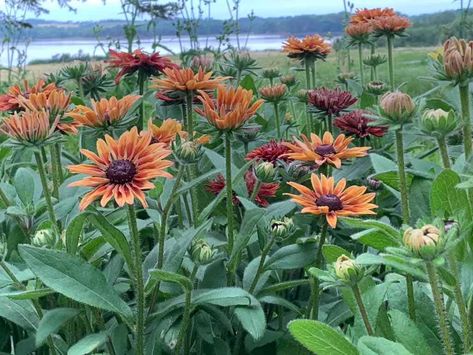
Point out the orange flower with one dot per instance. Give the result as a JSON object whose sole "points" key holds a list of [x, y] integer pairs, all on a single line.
{"points": [[359, 32], [232, 108], [324, 151], [122, 169], [390, 25], [186, 80], [30, 127], [273, 93], [166, 133], [10, 100], [367, 15], [103, 113], [311, 46], [333, 200], [458, 59]]}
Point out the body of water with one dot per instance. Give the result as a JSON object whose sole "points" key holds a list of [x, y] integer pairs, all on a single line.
{"points": [[46, 49]]}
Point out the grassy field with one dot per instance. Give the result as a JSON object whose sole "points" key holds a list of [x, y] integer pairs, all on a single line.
{"points": [[411, 67]]}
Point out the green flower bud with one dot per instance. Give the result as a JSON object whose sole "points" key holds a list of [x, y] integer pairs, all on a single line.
{"points": [[44, 238], [347, 270], [188, 152], [288, 80], [376, 88], [248, 133], [374, 60], [265, 172], [271, 73], [282, 229], [423, 242], [438, 123], [397, 107], [202, 252], [302, 96], [343, 78]]}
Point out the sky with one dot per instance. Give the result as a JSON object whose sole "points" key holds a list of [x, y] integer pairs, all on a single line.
{"points": [[96, 10]]}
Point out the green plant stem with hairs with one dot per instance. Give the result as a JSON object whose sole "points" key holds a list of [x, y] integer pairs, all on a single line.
{"points": [[460, 301], [256, 189], [229, 190], [54, 171], [259, 271], [313, 72], [141, 90], [442, 144], [465, 110], [315, 283], [373, 68], [445, 334], [405, 213], [308, 123], [192, 168], [390, 40], [362, 309], [277, 118], [57, 158], [360, 59], [139, 284], [186, 318], [46, 192]]}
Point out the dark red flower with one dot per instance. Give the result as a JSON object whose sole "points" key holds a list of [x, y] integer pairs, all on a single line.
{"points": [[356, 123], [330, 101], [270, 152], [146, 64], [266, 190]]}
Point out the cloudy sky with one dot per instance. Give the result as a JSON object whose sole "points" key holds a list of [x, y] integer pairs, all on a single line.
{"points": [[96, 10]]}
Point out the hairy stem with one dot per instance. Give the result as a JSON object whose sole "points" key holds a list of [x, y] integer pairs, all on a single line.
{"points": [[465, 106], [390, 61], [278, 123], [444, 152], [360, 58], [362, 308], [315, 285]]}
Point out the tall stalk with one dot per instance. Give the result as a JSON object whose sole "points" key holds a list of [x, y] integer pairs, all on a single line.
{"points": [[308, 124], [54, 172], [141, 88], [139, 284], [390, 61], [278, 123], [465, 106], [315, 285], [229, 189], [447, 341], [362, 308], [444, 152], [360, 59]]}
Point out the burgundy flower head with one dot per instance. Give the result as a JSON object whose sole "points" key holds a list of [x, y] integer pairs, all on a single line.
{"points": [[269, 152], [330, 101], [266, 189], [146, 64], [356, 123]]}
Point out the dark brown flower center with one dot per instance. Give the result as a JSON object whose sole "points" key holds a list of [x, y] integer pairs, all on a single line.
{"points": [[325, 149], [121, 172], [154, 140], [331, 201]]}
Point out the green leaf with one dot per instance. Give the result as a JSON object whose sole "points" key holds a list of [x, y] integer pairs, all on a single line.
{"points": [[248, 83], [72, 277], [291, 257], [332, 252], [87, 344], [371, 223], [73, 232], [252, 320], [382, 164], [20, 312], [368, 345], [25, 294], [375, 238], [52, 321], [24, 183], [172, 277], [319, 338], [407, 333], [446, 199]]}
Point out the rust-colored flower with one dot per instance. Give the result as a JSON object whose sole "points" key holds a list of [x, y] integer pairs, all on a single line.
{"points": [[104, 113], [356, 123], [397, 106], [333, 200], [330, 101], [326, 150], [458, 59], [273, 93], [359, 32], [272, 152], [185, 80], [311, 47], [267, 190], [231, 109], [166, 133], [368, 15], [10, 100], [390, 25], [146, 64], [122, 169], [29, 127]]}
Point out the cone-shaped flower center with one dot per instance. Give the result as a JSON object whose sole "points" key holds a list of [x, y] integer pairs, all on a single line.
{"points": [[121, 172], [331, 201], [325, 149]]}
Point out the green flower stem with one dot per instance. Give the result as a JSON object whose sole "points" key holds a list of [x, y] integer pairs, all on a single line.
{"points": [[46, 192], [465, 106], [80, 88], [411, 305], [141, 87], [362, 308], [139, 285], [35, 302], [360, 58], [440, 309], [259, 272], [185, 322], [228, 185], [402, 176], [462, 310], [57, 158], [390, 61], [189, 114], [308, 125], [313, 72], [315, 284], [278, 123], [373, 68], [54, 173], [191, 171], [444, 152], [256, 189]]}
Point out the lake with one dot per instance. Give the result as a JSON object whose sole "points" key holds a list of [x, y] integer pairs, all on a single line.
{"points": [[46, 49]]}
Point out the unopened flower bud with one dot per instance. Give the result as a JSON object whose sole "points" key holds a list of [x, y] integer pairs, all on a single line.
{"points": [[347, 270], [282, 229], [202, 61], [423, 241], [343, 78], [248, 133], [44, 238], [288, 117], [397, 106], [274, 93], [202, 252], [271, 73], [438, 123], [289, 80], [188, 151], [302, 95], [265, 171], [376, 88]]}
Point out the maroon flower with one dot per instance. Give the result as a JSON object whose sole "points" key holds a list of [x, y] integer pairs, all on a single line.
{"points": [[330, 101], [356, 123], [266, 189], [270, 152], [146, 64]]}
